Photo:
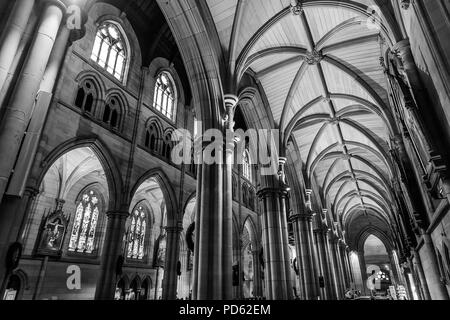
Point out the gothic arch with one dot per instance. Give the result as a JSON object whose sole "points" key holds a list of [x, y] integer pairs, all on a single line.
{"points": [[105, 157], [168, 192]]}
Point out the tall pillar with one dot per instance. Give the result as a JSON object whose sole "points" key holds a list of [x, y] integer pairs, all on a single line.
{"points": [[321, 255], [349, 265], [257, 285], [112, 249], [12, 222], [275, 244], [231, 102], [337, 266], [362, 263], [345, 270], [436, 287], [417, 265], [208, 262], [31, 140], [12, 34], [169, 285], [323, 248], [19, 110], [333, 268], [302, 229]]}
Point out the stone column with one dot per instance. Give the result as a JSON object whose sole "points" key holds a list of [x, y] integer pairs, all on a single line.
{"points": [[31, 140], [302, 230], [323, 249], [349, 265], [437, 289], [12, 34], [345, 270], [417, 265], [19, 110], [112, 249], [257, 285], [208, 262], [231, 102], [332, 264], [169, 285], [12, 222], [337, 266], [323, 272], [362, 264], [275, 244]]}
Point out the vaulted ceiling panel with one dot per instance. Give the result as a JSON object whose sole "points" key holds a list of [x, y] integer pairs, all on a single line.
{"points": [[326, 18], [277, 84], [223, 13]]}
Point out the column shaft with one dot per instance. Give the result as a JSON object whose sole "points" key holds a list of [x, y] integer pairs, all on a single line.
{"points": [[209, 232], [302, 231], [170, 281], [112, 249], [12, 34], [275, 244], [18, 113]]}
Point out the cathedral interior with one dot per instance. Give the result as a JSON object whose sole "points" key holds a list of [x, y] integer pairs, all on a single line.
{"points": [[350, 100]]}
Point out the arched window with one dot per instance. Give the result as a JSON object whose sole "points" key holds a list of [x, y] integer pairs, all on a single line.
{"points": [[109, 50], [86, 217], [111, 114], [86, 96], [136, 234], [246, 168], [165, 95], [152, 137]]}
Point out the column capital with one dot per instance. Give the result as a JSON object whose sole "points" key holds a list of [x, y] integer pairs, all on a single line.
{"points": [[301, 217]]}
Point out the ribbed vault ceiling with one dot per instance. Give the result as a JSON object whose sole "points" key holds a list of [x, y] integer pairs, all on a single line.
{"points": [[322, 76]]}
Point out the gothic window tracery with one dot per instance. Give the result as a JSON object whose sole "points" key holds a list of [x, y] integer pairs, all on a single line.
{"points": [[165, 95], [136, 234], [109, 50], [85, 222]]}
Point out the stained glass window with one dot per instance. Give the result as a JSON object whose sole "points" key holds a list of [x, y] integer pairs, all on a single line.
{"points": [[164, 99], [109, 50], [136, 234], [86, 217]]}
